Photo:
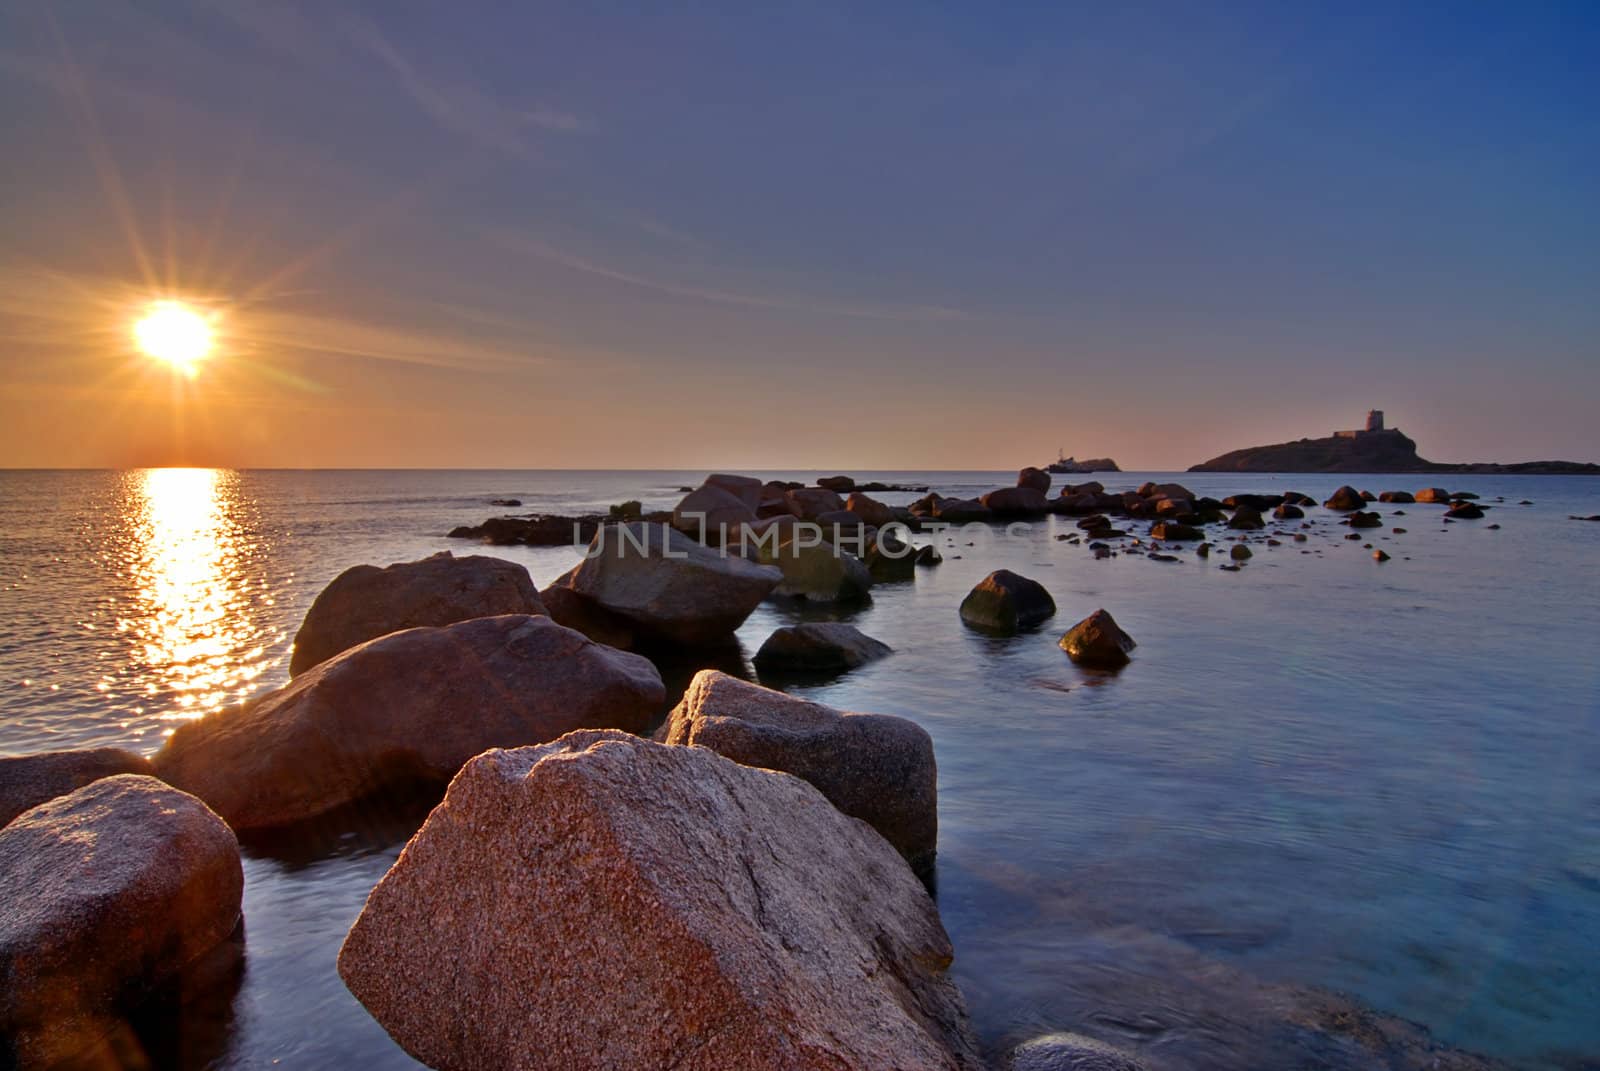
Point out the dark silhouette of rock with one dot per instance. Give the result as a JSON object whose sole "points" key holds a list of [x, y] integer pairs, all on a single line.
{"points": [[29, 780], [539, 530], [809, 503], [1360, 519], [839, 484], [1005, 602], [1034, 479], [1345, 499], [1287, 512], [409, 707], [109, 891], [1015, 502], [1397, 497], [869, 510], [1245, 518], [1173, 532], [1378, 451], [1463, 511], [365, 602], [731, 917]]}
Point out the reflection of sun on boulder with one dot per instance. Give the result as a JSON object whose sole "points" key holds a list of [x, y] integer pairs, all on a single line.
{"points": [[408, 707], [365, 602], [608, 902]]}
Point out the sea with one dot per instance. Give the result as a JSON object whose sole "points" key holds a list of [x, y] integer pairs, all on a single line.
{"points": [[1323, 782]]}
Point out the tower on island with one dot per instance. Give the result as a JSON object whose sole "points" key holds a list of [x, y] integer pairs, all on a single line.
{"points": [[1374, 424]]}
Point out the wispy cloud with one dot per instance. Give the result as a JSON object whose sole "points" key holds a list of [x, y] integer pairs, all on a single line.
{"points": [[462, 108], [913, 313]]}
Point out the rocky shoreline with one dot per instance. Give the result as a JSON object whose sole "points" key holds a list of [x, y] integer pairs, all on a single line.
{"points": [[621, 872]]}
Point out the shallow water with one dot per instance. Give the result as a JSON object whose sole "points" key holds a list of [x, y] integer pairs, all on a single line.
{"points": [[1319, 770]]}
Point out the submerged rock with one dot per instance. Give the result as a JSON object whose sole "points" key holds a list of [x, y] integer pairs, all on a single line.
{"points": [[109, 891], [1004, 602], [1070, 1052], [1098, 642], [1239, 552], [819, 647], [29, 780], [408, 707], [1360, 519], [1463, 511], [365, 602], [607, 902], [672, 589], [875, 767]]}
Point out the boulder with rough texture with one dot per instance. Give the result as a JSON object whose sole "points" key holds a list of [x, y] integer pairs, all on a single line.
{"points": [[1433, 494], [869, 510], [29, 780], [1098, 642], [1004, 601], [1288, 512], [819, 647], [1035, 479], [712, 514], [365, 602], [746, 489], [408, 707], [809, 503], [569, 609], [1345, 499], [1015, 502], [1397, 497], [875, 767], [607, 902], [108, 891], [1070, 1052], [818, 572], [672, 589]]}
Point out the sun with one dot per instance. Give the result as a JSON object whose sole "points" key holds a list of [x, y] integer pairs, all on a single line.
{"points": [[176, 333]]}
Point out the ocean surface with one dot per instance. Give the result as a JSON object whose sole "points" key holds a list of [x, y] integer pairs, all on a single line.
{"points": [[1319, 771]]}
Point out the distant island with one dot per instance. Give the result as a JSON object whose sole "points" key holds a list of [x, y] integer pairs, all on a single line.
{"points": [[1373, 448], [1063, 464]]}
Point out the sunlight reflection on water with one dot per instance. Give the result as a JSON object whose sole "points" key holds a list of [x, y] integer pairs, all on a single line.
{"points": [[187, 556]]}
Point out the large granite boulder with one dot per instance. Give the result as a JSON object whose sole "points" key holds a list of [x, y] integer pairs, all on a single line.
{"points": [[1015, 502], [365, 602], [569, 609], [1345, 499], [809, 503], [747, 489], [1288, 512], [1464, 511], [712, 515], [841, 484], [1004, 602], [673, 589], [108, 891], [1397, 497], [875, 767], [1098, 642], [1034, 478], [1433, 494], [818, 572], [410, 707], [606, 902], [818, 647], [869, 510], [1069, 1052], [1247, 519], [29, 780]]}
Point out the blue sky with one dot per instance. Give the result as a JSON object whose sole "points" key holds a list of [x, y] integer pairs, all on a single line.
{"points": [[812, 235]]}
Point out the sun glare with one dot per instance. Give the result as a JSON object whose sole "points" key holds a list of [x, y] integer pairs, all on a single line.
{"points": [[173, 332]]}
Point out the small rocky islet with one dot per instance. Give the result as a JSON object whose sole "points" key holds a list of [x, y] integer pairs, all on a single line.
{"points": [[774, 844]]}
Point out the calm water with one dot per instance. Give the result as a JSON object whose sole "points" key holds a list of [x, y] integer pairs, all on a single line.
{"points": [[1379, 779]]}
